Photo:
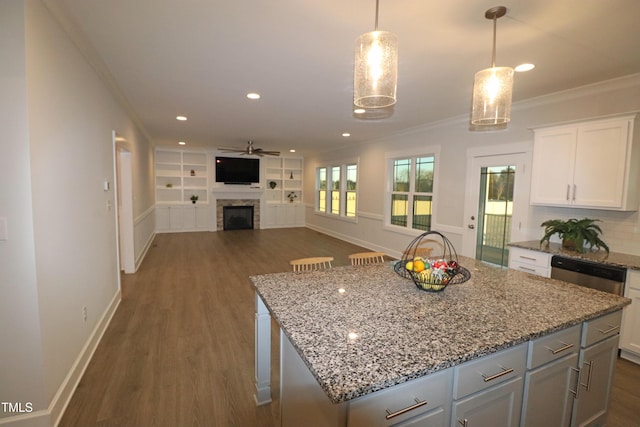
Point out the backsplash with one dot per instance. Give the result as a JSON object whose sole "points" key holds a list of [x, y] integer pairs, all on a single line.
{"points": [[620, 230]]}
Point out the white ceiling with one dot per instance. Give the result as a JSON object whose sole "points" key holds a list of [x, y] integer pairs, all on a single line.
{"points": [[199, 58]]}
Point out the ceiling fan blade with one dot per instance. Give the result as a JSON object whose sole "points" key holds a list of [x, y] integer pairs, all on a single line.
{"points": [[269, 153], [235, 150]]}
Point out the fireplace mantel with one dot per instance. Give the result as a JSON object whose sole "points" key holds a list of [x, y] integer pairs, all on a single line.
{"points": [[237, 192]]}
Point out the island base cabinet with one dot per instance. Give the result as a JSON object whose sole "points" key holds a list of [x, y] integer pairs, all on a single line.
{"points": [[424, 402], [597, 363], [497, 406], [548, 398], [302, 400]]}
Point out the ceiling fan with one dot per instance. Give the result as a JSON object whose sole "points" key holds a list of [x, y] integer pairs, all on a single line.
{"points": [[250, 150]]}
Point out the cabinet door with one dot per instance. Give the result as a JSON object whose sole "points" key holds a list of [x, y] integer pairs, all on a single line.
{"points": [[175, 218], [162, 219], [202, 217], [189, 217], [600, 165], [498, 406], [630, 336], [553, 163], [594, 383], [548, 399]]}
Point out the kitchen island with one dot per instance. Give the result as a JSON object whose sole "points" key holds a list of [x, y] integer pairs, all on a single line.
{"points": [[360, 330]]}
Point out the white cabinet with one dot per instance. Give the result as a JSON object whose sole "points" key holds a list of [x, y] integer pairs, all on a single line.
{"points": [[533, 262], [180, 175], [588, 165], [488, 391], [630, 334]]}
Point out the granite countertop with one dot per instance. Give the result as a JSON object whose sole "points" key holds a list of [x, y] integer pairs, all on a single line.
{"points": [[611, 258], [404, 333]]}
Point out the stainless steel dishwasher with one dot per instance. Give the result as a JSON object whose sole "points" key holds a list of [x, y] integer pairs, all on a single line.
{"points": [[603, 277]]}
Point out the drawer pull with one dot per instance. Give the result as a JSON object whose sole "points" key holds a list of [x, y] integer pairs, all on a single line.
{"points": [[608, 331], [418, 404], [527, 269], [561, 349], [498, 375], [528, 257], [464, 422]]}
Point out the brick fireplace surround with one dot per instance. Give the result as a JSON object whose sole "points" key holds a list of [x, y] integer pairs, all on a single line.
{"points": [[220, 203]]}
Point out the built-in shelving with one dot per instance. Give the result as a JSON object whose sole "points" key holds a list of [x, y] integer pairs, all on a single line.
{"points": [[178, 176], [286, 173]]}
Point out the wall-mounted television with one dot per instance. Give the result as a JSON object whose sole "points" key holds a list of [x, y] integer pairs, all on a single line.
{"points": [[237, 170]]}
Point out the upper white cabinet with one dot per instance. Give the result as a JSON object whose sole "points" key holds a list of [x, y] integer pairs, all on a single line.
{"points": [[590, 164]]}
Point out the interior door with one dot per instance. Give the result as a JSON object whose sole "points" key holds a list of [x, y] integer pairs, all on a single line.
{"points": [[496, 206]]}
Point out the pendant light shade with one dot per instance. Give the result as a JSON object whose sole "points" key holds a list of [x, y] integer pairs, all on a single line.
{"points": [[492, 87], [375, 75]]}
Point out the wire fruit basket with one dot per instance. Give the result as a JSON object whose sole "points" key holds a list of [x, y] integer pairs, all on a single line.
{"points": [[431, 271]]}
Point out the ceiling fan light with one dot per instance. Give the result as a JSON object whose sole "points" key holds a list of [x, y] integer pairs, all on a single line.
{"points": [[375, 75], [492, 93]]}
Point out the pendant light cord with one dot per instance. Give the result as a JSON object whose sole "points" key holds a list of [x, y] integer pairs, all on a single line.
{"points": [[493, 54], [376, 26]]}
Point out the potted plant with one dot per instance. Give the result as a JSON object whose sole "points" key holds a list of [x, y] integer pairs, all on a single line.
{"points": [[575, 233], [194, 198], [292, 196], [272, 184]]}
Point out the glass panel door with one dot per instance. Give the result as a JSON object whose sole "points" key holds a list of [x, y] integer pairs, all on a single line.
{"points": [[495, 210]]}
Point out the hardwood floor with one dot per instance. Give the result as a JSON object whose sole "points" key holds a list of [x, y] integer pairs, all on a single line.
{"points": [[179, 350]]}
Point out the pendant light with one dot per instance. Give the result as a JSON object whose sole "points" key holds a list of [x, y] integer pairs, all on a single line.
{"points": [[493, 87], [375, 74]]}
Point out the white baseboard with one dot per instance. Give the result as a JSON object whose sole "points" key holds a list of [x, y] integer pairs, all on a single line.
{"points": [[70, 383], [53, 414], [144, 251], [631, 357]]}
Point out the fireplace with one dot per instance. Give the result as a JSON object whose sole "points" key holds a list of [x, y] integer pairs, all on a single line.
{"points": [[237, 217]]}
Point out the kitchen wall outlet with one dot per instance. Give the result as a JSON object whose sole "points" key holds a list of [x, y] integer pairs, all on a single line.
{"points": [[84, 314]]}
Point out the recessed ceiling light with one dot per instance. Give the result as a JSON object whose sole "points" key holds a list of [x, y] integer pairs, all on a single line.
{"points": [[182, 143], [524, 67], [253, 95], [181, 118], [359, 111], [292, 151], [346, 134]]}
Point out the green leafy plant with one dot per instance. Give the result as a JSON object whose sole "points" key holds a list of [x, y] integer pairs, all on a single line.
{"points": [[194, 198], [575, 233]]}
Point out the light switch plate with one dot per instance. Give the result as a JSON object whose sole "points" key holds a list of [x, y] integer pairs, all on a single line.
{"points": [[3, 229]]}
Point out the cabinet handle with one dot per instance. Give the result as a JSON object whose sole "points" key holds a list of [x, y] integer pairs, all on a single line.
{"points": [[527, 269], [505, 371], [528, 257], [608, 331], [577, 390], [418, 404], [464, 422], [568, 191], [561, 349], [588, 384], [575, 188]]}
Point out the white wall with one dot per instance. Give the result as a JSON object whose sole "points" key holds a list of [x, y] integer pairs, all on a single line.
{"points": [[61, 255], [620, 230], [21, 368]]}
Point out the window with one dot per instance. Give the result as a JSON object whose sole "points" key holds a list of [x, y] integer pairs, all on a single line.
{"points": [[321, 184], [411, 195], [336, 188], [350, 193]]}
